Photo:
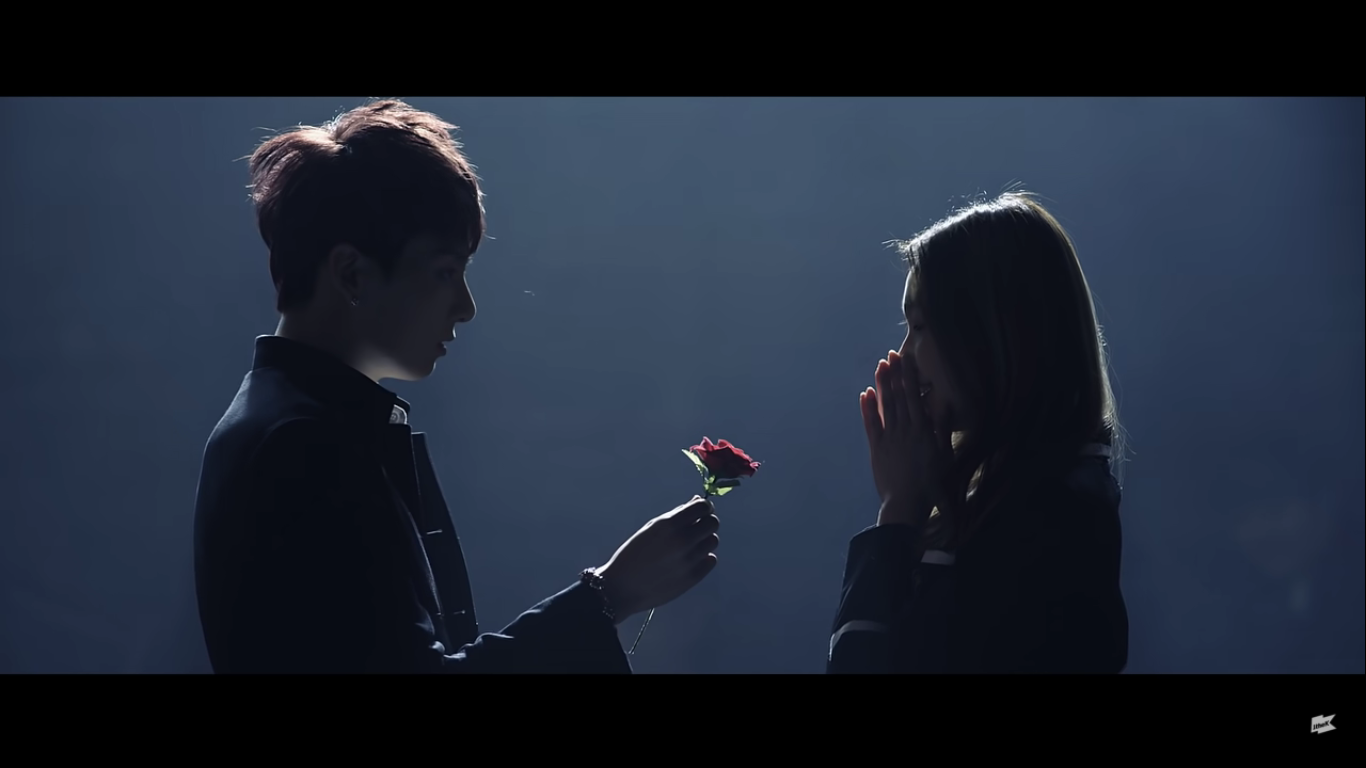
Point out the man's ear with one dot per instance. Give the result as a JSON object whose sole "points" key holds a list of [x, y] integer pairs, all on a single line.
{"points": [[343, 271]]}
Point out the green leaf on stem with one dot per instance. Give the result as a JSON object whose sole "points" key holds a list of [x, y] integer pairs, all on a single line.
{"points": [[731, 483], [722, 491], [702, 468]]}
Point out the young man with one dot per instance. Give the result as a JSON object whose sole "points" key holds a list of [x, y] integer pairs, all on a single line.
{"points": [[322, 540]]}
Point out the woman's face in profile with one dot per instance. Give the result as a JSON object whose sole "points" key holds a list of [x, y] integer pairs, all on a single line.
{"points": [[941, 397]]}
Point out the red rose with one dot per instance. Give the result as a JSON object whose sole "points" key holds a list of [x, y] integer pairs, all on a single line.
{"points": [[721, 466], [725, 461]]}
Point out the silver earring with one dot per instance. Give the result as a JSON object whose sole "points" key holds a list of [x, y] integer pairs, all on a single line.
{"points": [[355, 302]]}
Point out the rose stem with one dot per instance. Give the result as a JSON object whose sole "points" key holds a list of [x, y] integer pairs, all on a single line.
{"points": [[651, 614], [648, 616]]}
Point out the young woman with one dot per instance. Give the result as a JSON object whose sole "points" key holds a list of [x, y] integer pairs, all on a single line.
{"points": [[997, 544]]}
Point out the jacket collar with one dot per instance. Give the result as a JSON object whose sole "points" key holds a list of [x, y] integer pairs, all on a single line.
{"points": [[330, 381]]}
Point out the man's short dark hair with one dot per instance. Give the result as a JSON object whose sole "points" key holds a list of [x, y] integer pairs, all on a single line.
{"points": [[374, 178]]}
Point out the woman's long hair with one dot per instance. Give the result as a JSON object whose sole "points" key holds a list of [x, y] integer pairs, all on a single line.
{"points": [[1002, 292]]}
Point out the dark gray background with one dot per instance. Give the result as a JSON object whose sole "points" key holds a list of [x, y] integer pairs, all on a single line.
{"points": [[669, 268]]}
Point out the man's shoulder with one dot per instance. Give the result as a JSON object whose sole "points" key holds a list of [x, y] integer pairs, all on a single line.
{"points": [[267, 412], [269, 434]]}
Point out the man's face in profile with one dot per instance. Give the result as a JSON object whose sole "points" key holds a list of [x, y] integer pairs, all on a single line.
{"points": [[407, 319]]}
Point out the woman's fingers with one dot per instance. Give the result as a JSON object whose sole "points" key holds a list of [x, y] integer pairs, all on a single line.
{"points": [[872, 422], [905, 416], [883, 378]]}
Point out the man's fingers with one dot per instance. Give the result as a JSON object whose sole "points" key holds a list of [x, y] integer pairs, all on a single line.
{"points": [[707, 526], [872, 422], [703, 568], [704, 548], [693, 511]]}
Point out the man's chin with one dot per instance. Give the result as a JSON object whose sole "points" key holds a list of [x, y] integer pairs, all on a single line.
{"points": [[414, 372], [414, 365]]}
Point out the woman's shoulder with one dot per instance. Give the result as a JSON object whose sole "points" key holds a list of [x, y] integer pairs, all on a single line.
{"points": [[1081, 493], [1070, 500], [1091, 483], [1084, 499]]}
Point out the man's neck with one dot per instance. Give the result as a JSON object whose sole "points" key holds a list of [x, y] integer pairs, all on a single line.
{"points": [[315, 335]]}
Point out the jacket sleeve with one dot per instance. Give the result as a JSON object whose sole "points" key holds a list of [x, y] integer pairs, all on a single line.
{"points": [[877, 584], [327, 594], [1071, 617]]}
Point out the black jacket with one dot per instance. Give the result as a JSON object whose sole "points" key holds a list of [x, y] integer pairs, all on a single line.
{"points": [[1035, 591], [323, 543]]}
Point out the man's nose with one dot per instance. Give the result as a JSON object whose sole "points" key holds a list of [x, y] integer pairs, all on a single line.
{"points": [[465, 311]]}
